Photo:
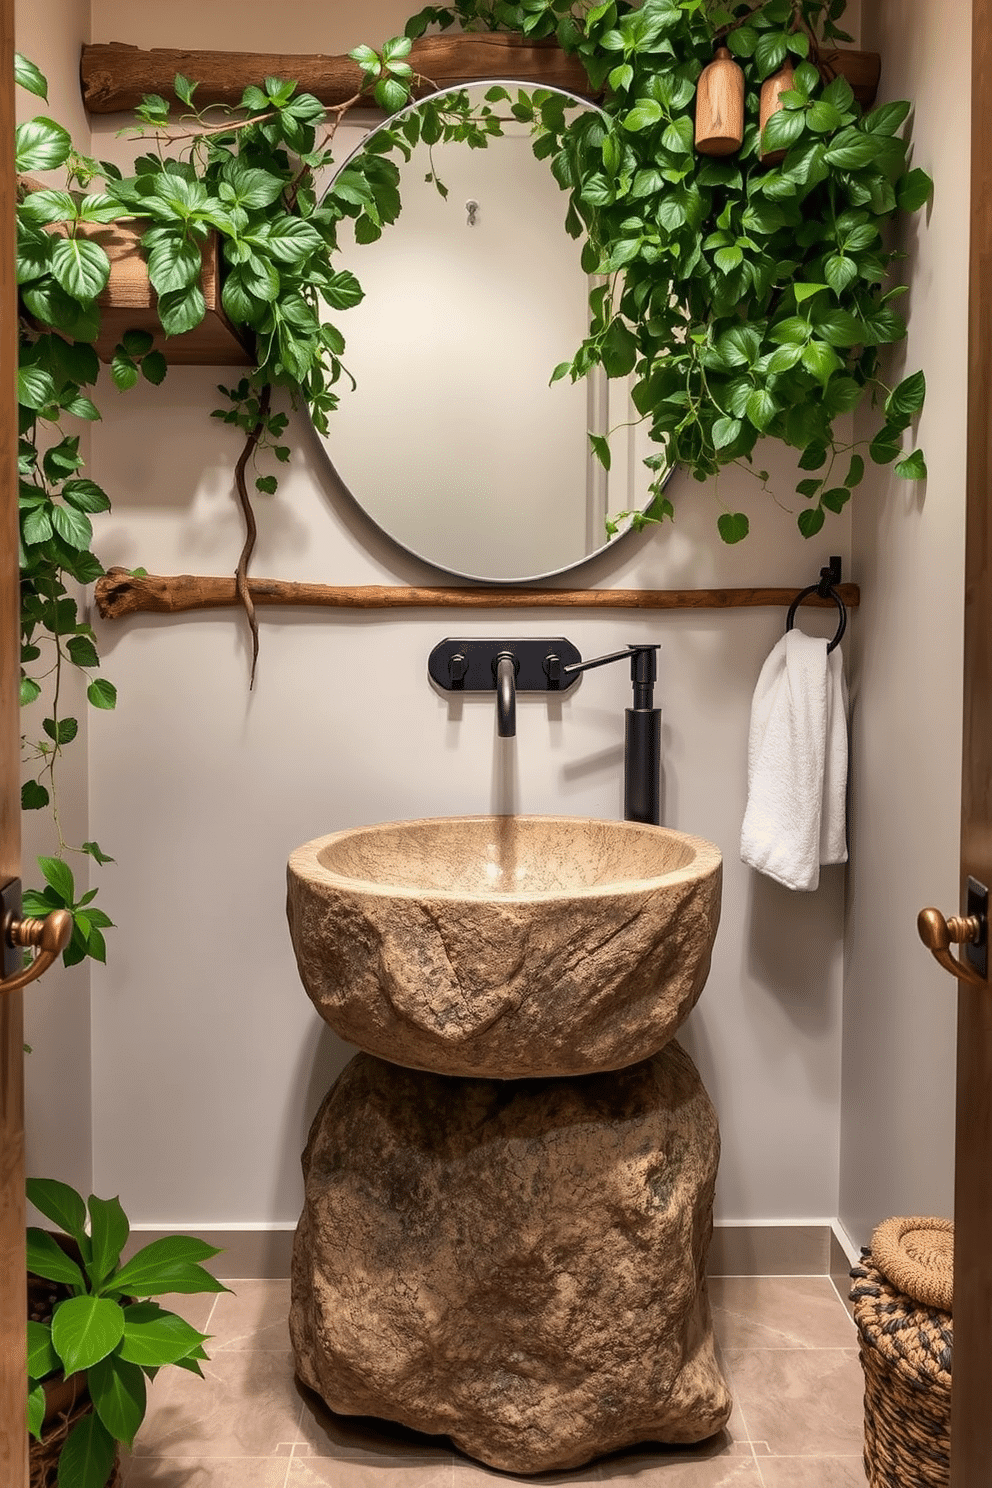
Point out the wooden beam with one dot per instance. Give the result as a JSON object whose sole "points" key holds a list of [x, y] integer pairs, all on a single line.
{"points": [[115, 76], [119, 593]]}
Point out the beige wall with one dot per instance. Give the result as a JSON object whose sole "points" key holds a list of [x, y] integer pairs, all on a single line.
{"points": [[899, 1007], [202, 789]]}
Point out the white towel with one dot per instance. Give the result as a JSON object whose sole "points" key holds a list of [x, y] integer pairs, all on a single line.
{"points": [[797, 763]]}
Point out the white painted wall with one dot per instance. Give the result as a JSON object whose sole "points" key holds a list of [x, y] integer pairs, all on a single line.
{"points": [[56, 1009], [207, 1058], [899, 1007]]}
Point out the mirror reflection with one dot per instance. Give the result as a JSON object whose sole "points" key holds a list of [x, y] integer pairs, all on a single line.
{"points": [[455, 441]]}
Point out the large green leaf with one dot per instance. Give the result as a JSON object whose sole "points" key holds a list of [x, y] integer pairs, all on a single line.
{"points": [[853, 151], [913, 190], [251, 188], [82, 652], [646, 111], [174, 264], [40, 144], [41, 207], [73, 527], [168, 1265], [109, 1230], [35, 388], [88, 1456], [733, 527], [117, 1389], [102, 694], [27, 76], [907, 398], [45, 1258], [42, 1358], [619, 349], [85, 1330], [181, 310], [36, 1409], [57, 1201], [81, 267], [914, 467], [86, 495], [289, 239], [761, 408], [153, 1337]]}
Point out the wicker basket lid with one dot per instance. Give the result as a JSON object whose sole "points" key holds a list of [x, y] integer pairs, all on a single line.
{"points": [[917, 1256]]}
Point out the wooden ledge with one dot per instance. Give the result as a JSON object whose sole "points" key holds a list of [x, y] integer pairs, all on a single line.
{"points": [[120, 593], [114, 76]]}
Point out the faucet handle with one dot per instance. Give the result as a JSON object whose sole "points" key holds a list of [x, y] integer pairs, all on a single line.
{"points": [[458, 667], [552, 668]]}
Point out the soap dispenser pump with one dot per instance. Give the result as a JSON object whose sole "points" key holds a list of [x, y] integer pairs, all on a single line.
{"points": [[642, 733]]}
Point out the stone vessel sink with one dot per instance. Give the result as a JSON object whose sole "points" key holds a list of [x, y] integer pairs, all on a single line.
{"points": [[505, 947]]}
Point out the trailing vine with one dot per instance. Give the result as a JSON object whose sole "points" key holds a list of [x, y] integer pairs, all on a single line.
{"points": [[747, 300]]}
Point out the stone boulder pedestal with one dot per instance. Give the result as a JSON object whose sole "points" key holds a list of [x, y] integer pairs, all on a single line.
{"points": [[518, 1265]]}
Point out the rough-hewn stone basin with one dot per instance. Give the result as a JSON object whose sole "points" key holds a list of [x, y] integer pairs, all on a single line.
{"points": [[505, 947]]}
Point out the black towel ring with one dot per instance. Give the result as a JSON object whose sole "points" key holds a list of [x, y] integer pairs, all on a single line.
{"points": [[829, 576]]}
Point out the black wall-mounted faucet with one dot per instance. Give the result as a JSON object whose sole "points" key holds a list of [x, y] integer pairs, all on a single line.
{"points": [[642, 733], [554, 665], [508, 667]]}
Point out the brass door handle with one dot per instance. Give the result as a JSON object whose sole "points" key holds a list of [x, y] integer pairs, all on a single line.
{"points": [[50, 936], [938, 935]]}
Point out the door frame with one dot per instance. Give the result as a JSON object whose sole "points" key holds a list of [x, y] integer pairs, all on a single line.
{"points": [[13, 1313], [972, 1390]]}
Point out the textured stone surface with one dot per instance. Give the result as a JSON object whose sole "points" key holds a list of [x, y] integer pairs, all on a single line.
{"points": [[518, 1265], [505, 946]]}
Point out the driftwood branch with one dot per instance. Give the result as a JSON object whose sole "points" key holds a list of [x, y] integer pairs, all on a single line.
{"points": [[115, 77], [120, 593]]}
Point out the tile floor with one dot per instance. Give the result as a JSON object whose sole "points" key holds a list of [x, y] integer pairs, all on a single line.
{"points": [[788, 1345]]}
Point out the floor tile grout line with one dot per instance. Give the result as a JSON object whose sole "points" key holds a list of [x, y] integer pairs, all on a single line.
{"points": [[736, 1400], [841, 1300]]}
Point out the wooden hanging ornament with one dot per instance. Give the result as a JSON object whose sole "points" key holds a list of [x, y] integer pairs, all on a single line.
{"points": [[771, 101], [720, 106]]}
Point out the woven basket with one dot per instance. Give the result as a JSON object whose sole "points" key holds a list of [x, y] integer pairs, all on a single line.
{"points": [[44, 1455], [906, 1344]]}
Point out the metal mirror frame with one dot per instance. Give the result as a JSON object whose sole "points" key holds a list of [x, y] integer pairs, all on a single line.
{"points": [[610, 543]]}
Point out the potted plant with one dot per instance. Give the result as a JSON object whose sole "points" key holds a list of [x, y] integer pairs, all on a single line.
{"points": [[98, 1337]]}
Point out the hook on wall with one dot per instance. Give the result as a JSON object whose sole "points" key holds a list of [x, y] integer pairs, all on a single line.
{"points": [[826, 588], [472, 208]]}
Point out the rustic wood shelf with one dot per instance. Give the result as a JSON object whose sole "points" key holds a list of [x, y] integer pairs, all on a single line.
{"points": [[129, 303], [114, 76], [120, 593]]}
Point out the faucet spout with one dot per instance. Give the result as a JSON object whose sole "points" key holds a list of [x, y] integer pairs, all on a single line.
{"points": [[505, 668]]}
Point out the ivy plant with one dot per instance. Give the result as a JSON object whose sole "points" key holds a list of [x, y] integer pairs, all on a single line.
{"points": [[747, 300], [59, 274]]}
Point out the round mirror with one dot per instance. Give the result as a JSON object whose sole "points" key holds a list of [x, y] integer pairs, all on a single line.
{"points": [[455, 440]]}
